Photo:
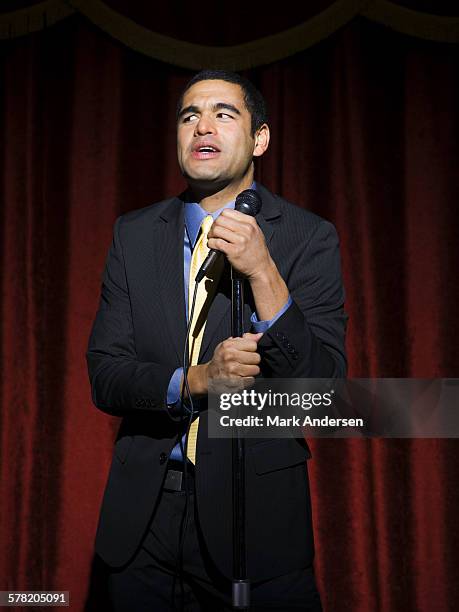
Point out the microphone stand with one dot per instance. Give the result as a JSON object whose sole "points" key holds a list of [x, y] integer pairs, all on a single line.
{"points": [[241, 584]]}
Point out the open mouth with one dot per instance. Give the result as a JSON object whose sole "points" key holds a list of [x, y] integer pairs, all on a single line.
{"points": [[205, 152]]}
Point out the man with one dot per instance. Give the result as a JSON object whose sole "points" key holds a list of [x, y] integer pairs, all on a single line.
{"points": [[294, 311]]}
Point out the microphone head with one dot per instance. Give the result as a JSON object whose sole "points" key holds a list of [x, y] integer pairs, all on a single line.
{"points": [[248, 202]]}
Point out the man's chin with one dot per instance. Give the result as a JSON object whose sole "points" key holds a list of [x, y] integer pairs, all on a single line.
{"points": [[208, 184]]}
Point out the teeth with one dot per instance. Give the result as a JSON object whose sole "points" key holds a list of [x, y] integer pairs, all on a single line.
{"points": [[207, 149]]}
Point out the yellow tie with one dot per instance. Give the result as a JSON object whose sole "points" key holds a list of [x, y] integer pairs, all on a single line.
{"points": [[204, 296]]}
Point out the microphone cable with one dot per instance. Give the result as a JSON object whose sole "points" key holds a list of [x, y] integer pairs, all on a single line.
{"points": [[183, 450]]}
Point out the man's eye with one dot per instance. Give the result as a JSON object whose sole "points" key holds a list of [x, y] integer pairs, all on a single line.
{"points": [[225, 115], [189, 118]]}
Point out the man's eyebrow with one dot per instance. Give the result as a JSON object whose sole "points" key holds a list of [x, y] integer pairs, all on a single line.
{"points": [[217, 106], [227, 106], [188, 109]]}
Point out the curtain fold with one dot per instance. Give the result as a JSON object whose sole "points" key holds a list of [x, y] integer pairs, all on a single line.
{"points": [[33, 18], [258, 52]]}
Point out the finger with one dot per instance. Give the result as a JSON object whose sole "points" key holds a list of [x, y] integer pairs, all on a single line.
{"points": [[233, 236], [248, 342], [247, 357], [237, 216], [247, 370], [252, 336], [221, 245], [244, 344], [241, 223]]}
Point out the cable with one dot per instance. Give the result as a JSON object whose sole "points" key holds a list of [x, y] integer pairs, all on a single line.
{"points": [[183, 450]]}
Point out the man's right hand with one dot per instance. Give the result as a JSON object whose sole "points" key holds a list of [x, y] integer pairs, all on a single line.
{"points": [[234, 363]]}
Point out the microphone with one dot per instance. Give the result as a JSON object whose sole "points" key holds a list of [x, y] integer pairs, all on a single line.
{"points": [[247, 202]]}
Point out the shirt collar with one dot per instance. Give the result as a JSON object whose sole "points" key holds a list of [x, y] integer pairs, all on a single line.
{"points": [[194, 215]]}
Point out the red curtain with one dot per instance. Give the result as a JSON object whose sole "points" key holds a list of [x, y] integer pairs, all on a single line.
{"points": [[365, 133]]}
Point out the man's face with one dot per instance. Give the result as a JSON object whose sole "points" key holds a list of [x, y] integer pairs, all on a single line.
{"points": [[214, 142]]}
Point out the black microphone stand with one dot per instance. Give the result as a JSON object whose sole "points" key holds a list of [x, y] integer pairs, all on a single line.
{"points": [[247, 202], [241, 584]]}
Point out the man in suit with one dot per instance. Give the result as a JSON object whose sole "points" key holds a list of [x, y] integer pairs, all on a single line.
{"points": [[294, 311]]}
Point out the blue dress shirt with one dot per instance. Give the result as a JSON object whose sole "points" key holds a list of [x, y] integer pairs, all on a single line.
{"points": [[194, 216]]}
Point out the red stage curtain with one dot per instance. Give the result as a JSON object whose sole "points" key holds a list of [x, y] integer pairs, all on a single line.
{"points": [[365, 133]]}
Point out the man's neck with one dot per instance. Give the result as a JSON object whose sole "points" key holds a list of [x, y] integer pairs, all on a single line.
{"points": [[216, 200]]}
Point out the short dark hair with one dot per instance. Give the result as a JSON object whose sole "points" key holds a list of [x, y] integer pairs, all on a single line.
{"points": [[253, 99]]}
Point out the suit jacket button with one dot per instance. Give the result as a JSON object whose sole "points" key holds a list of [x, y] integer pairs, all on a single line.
{"points": [[162, 458]]}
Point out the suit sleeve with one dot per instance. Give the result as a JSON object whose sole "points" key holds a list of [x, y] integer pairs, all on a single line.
{"points": [[307, 341], [120, 383]]}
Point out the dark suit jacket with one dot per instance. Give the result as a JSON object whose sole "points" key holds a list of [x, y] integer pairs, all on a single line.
{"points": [[137, 342]]}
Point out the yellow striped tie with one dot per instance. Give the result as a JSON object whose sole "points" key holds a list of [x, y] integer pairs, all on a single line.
{"points": [[204, 296]]}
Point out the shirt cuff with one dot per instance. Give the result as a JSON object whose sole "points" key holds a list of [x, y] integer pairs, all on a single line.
{"points": [[173, 392], [263, 326], [173, 395]]}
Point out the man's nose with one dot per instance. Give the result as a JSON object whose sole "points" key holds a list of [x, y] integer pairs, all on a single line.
{"points": [[205, 125]]}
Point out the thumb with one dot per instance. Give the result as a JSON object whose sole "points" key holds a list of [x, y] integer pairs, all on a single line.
{"points": [[251, 336]]}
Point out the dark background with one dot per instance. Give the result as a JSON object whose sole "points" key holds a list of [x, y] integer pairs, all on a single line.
{"points": [[365, 131]]}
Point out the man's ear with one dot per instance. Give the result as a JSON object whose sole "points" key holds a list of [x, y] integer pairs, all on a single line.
{"points": [[261, 140]]}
